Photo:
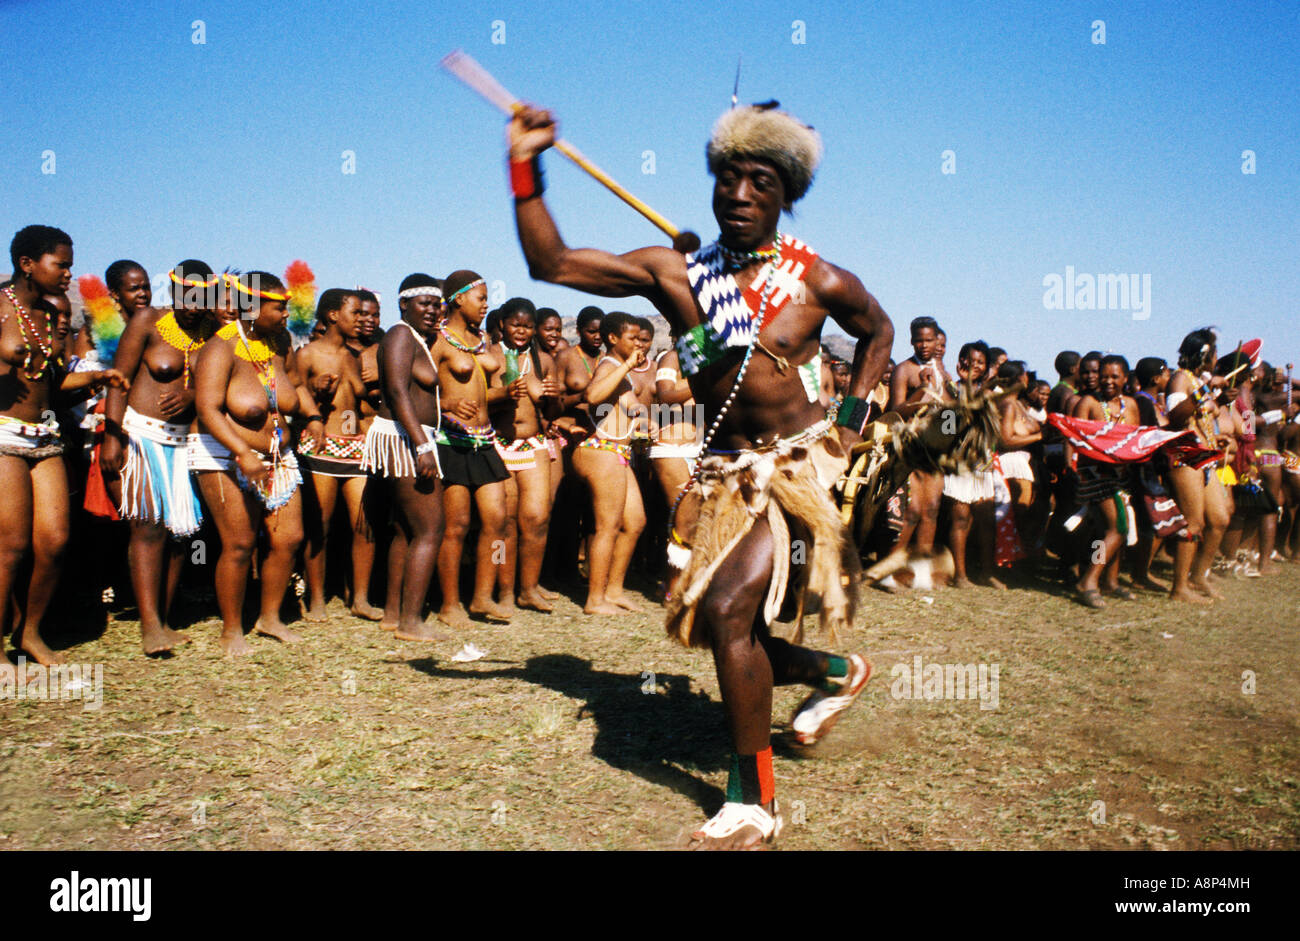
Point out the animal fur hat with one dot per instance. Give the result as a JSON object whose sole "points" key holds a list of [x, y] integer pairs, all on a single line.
{"points": [[763, 132]]}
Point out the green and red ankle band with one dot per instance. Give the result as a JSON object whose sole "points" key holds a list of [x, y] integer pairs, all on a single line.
{"points": [[751, 780]]}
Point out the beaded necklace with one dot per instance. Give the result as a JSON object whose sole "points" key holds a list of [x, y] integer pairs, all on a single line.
{"points": [[31, 337], [474, 351], [174, 335], [740, 259], [461, 344], [1105, 409], [765, 295]]}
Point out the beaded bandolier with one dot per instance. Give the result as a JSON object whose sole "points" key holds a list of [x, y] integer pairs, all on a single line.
{"points": [[733, 319]]}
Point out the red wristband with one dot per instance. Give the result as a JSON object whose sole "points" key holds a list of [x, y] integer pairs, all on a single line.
{"points": [[526, 178]]}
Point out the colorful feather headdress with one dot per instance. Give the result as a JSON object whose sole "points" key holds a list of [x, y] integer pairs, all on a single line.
{"points": [[103, 315], [301, 283]]}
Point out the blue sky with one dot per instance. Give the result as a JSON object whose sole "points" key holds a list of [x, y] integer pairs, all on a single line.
{"points": [[1115, 158]]}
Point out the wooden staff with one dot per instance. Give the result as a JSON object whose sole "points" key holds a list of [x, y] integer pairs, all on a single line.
{"points": [[463, 67]]}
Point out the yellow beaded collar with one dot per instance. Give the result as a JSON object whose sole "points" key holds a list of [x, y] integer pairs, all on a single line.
{"points": [[256, 352], [176, 337]]}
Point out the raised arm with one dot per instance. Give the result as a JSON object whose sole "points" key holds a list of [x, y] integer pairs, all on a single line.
{"points": [[607, 379], [635, 274]]}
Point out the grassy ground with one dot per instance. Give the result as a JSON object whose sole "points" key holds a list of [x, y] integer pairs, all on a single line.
{"points": [[1122, 728]]}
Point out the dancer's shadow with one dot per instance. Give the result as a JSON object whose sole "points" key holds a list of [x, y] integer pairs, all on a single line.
{"points": [[654, 727]]}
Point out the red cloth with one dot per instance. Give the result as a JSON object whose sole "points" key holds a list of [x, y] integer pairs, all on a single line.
{"points": [[98, 502], [1116, 443]]}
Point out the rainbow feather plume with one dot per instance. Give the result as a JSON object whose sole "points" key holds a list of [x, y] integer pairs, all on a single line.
{"points": [[300, 281], [106, 321]]}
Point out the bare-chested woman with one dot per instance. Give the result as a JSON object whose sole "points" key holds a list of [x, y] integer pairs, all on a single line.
{"points": [[248, 475], [34, 513], [401, 447], [604, 462], [575, 366], [1269, 419], [330, 371], [469, 374], [533, 390], [1189, 403], [1021, 437], [146, 444], [1105, 486], [550, 340]]}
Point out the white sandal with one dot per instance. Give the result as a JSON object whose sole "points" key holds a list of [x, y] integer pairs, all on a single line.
{"points": [[734, 817], [821, 711]]}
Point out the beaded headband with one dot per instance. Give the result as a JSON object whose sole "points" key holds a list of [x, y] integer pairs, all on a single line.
{"points": [[193, 283], [265, 295], [470, 286], [425, 289]]}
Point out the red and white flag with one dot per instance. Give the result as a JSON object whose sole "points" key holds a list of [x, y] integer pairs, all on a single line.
{"points": [[1116, 443]]}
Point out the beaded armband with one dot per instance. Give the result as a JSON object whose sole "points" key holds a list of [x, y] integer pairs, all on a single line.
{"points": [[526, 178], [853, 413]]}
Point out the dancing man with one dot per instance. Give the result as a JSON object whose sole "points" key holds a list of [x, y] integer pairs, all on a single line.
{"points": [[748, 311]]}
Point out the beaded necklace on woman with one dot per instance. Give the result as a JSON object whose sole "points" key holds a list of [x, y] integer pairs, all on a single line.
{"points": [[175, 336], [474, 351], [1105, 408], [30, 334]]}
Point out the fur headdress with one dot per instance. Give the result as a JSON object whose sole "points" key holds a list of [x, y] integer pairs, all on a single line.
{"points": [[763, 132]]}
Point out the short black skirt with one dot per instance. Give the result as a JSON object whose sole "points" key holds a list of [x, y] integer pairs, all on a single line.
{"points": [[467, 466]]}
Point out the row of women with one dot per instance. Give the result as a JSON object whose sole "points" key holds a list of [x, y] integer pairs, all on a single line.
{"points": [[1224, 497], [210, 415]]}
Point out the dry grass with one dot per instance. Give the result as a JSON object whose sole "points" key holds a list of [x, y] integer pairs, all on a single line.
{"points": [[561, 739]]}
